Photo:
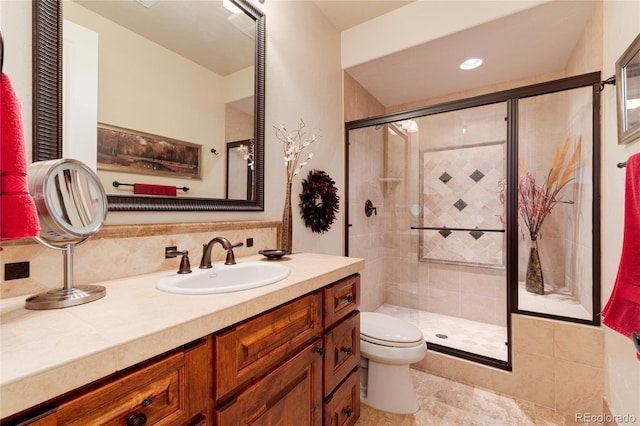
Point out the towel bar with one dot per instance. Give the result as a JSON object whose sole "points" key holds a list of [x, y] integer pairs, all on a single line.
{"points": [[444, 228], [117, 184]]}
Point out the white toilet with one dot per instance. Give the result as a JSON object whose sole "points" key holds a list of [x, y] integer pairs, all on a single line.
{"points": [[387, 346]]}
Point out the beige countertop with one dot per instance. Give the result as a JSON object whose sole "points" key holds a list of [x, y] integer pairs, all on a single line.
{"points": [[49, 352]]}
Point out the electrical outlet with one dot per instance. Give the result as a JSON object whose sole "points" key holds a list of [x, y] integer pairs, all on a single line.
{"points": [[16, 271], [169, 249], [249, 242]]}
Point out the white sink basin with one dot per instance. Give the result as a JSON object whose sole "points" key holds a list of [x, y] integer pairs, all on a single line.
{"points": [[224, 278]]}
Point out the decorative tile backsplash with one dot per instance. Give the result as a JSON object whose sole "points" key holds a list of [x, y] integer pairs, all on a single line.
{"points": [[120, 251], [460, 190]]}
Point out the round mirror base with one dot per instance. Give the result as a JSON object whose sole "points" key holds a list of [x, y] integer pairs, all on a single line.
{"points": [[63, 298]]}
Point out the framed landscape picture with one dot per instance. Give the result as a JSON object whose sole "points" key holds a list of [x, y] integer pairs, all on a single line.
{"points": [[131, 151]]}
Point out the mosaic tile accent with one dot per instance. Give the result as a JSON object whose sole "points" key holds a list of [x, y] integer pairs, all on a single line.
{"points": [[460, 204], [477, 175], [444, 233], [476, 234], [468, 200], [445, 177]]}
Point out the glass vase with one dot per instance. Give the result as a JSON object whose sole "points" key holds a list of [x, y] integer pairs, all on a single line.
{"points": [[286, 236], [534, 283]]}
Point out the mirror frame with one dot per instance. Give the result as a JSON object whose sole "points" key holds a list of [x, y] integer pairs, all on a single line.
{"points": [[47, 113]]}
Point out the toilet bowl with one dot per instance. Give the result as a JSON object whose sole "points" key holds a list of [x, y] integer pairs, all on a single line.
{"points": [[387, 346]]}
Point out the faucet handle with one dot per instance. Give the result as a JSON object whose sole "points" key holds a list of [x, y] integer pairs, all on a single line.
{"points": [[185, 265], [231, 258]]}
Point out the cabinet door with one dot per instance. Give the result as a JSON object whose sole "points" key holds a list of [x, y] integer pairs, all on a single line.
{"points": [[170, 391], [342, 345], [253, 347], [291, 395], [340, 299], [343, 407]]}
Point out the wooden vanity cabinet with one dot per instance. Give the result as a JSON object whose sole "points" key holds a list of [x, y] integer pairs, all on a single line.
{"points": [[172, 389], [341, 384], [296, 364], [169, 391]]}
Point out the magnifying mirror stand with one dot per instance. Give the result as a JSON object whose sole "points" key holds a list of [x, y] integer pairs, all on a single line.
{"points": [[68, 295]]}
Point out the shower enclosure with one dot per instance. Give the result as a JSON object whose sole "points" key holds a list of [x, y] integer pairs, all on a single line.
{"points": [[429, 209]]}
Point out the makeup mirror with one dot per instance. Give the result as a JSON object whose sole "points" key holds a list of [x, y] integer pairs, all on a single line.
{"points": [[72, 207]]}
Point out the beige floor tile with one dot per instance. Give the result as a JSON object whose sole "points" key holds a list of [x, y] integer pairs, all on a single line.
{"points": [[444, 402]]}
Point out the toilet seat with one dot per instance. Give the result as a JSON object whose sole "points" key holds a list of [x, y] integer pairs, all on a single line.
{"points": [[385, 330]]}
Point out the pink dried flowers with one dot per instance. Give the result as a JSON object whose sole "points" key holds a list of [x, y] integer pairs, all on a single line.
{"points": [[535, 202]]}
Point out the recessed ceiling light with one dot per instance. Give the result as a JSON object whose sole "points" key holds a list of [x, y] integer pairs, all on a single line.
{"points": [[471, 63], [147, 3]]}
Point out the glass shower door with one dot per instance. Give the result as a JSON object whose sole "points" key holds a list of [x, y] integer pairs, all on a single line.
{"points": [[460, 230]]}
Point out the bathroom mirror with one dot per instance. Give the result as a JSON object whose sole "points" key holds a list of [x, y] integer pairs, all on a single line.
{"points": [[239, 169], [72, 207], [48, 109]]}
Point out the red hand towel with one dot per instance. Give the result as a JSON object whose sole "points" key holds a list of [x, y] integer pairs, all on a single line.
{"points": [[18, 214], [148, 189], [622, 311]]}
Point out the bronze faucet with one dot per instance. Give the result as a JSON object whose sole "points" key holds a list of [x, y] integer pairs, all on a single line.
{"points": [[205, 262]]}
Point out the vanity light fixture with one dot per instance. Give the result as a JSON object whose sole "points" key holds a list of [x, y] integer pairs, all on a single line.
{"points": [[471, 63]]}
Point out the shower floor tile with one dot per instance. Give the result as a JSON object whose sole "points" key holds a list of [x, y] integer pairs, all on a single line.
{"points": [[471, 336]]}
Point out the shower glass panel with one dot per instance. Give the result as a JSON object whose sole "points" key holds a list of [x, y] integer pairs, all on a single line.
{"points": [[381, 170], [435, 244], [460, 230], [555, 152]]}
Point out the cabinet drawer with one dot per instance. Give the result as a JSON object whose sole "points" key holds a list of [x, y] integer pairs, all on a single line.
{"points": [[342, 351], [340, 299], [155, 392], [343, 407], [289, 395], [251, 348]]}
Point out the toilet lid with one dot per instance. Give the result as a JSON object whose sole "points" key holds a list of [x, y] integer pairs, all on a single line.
{"points": [[387, 330]]}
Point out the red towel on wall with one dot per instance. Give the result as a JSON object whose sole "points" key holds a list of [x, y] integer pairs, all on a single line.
{"points": [[622, 311], [18, 214], [148, 189]]}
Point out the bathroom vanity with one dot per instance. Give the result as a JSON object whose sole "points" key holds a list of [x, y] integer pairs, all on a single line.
{"points": [[289, 350]]}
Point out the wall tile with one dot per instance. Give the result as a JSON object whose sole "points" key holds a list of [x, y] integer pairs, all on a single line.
{"points": [[532, 335], [580, 344], [579, 387]]}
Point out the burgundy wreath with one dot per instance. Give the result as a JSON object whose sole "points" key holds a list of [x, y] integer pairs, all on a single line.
{"points": [[319, 201]]}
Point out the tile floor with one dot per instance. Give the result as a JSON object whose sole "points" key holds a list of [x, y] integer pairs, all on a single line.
{"points": [[447, 403]]}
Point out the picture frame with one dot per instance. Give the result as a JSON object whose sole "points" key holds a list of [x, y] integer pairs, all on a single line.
{"points": [[628, 93], [131, 151]]}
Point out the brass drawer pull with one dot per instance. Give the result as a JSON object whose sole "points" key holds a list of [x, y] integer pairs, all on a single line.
{"points": [[347, 350], [348, 411], [348, 298]]}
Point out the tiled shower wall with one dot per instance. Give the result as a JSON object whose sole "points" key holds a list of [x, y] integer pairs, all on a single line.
{"points": [[365, 161]]}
